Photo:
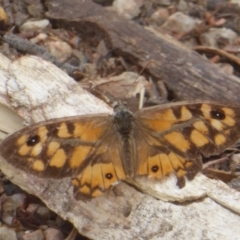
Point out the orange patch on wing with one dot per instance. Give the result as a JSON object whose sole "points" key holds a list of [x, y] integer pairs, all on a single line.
{"points": [[96, 193], [42, 133], [229, 121], [158, 125], [161, 120], [198, 138], [154, 162], [38, 165], [219, 139], [22, 140], [85, 190], [97, 177], [229, 111], [181, 173], [143, 169], [79, 154], [201, 127], [59, 159], [79, 129], [206, 109], [36, 150], [75, 182], [185, 114], [52, 148], [86, 132], [167, 115], [24, 150], [120, 172], [113, 154], [188, 164], [108, 168], [86, 176], [92, 135], [217, 124], [178, 140], [63, 131], [167, 167], [176, 160]]}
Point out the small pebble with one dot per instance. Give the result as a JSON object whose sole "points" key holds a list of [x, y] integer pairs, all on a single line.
{"points": [[34, 25]]}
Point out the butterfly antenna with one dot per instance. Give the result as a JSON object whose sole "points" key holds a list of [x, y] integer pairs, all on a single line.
{"points": [[142, 92]]}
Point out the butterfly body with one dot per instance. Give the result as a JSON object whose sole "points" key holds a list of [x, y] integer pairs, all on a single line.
{"points": [[97, 151], [126, 128]]}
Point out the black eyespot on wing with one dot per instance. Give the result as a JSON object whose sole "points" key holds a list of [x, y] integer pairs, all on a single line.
{"points": [[217, 114], [108, 176], [33, 140], [155, 168]]}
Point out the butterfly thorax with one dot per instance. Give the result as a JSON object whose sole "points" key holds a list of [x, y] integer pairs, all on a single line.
{"points": [[123, 119], [123, 122]]}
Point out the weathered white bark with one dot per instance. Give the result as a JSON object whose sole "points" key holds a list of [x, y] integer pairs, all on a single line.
{"points": [[37, 90]]}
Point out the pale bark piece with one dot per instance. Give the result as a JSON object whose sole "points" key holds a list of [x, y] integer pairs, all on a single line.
{"points": [[9, 121], [200, 187], [124, 212], [14, 122], [37, 90], [4, 64]]}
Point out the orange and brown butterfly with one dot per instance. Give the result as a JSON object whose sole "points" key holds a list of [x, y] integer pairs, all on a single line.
{"points": [[97, 151]]}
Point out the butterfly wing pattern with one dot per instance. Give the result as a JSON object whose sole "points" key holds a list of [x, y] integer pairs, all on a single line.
{"points": [[68, 147], [181, 133], [97, 151]]}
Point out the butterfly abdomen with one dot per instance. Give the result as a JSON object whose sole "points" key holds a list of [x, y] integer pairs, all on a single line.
{"points": [[128, 156]]}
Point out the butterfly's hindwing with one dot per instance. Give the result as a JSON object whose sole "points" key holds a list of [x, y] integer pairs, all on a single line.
{"points": [[104, 171]]}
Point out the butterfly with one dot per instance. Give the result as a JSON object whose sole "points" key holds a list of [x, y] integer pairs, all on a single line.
{"points": [[98, 151]]}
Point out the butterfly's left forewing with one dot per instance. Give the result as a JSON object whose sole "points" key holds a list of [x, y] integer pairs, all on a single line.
{"points": [[175, 136], [77, 147]]}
